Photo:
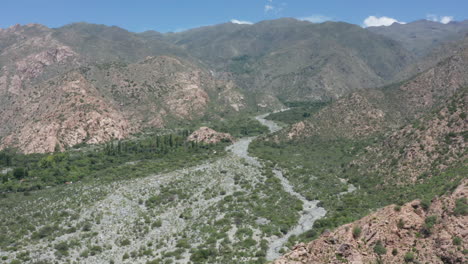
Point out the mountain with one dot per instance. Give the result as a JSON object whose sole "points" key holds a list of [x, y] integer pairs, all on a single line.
{"points": [[297, 60], [52, 97], [368, 169], [412, 233], [419, 150], [369, 111], [394, 144], [52, 79], [100, 43], [422, 36]]}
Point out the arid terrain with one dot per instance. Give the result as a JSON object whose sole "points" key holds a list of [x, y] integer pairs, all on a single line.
{"points": [[282, 141]]}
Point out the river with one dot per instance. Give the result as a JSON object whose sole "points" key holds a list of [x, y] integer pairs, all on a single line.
{"points": [[310, 213]]}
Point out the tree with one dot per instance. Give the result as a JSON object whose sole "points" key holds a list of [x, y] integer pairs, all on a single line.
{"points": [[20, 173], [356, 231], [57, 147]]}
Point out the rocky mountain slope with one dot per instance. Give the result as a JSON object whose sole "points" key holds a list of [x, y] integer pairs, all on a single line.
{"points": [[130, 81], [422, 149], [174, 202], [412, 233], [101, 43], [406, 140], [52, 98], [297, 60], [371, 111], [423, 35], [92, 83]]}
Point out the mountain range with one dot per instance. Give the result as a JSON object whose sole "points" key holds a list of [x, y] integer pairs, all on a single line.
{"points": [[365, 162], [91, 83]]}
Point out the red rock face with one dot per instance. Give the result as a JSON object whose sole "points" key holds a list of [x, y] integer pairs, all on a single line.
{"points": [[209, 136], [50, 94], [33, 65], [397, 232], [68, 113]]}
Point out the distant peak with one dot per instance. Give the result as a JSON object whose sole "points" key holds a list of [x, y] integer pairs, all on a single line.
{"points": [[18, 27]]}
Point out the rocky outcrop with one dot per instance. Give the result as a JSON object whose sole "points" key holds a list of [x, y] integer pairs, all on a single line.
{"points": [[411, 233], [209, 136], [64, 114], [33, 65]]}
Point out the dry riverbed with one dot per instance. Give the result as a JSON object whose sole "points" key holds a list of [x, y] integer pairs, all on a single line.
{"points": [[229, 210]]}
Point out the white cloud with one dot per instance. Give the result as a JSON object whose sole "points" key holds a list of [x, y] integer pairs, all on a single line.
{"points": [[241, 22], [316, 18], [440, 19], [269, 8], [275, 9], [373, 21], [446, 19]]}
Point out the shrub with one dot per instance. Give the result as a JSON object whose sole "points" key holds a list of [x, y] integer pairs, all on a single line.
{"points": [[397, 208], [125, 242], [157, 223], [20, 173], [201, 255], [429, 223], [400, 223], [85, 253], [425, 204], [248, 243], [183, 243], [409, 257], [95, 250], [379, 249], [62, 248], [461, 207], [457, 241], [395, 252], [43, 232], [356, 231], [86, 227]]}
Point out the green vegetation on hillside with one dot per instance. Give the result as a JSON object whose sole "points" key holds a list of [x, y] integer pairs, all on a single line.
{"points": [[298, 111], [111, 161], [239, 126], [315, 167]]}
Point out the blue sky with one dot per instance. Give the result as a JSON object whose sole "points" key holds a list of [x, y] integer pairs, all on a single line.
{"points": [[177, 15]]}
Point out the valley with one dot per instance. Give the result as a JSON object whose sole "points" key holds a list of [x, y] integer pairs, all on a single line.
{"points": [[282, 141], [148, 218]]}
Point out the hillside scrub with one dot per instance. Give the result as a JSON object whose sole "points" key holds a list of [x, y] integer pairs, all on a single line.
{"points": [[107, 162]]}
